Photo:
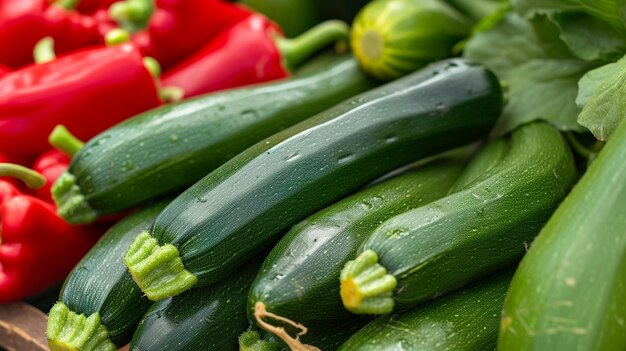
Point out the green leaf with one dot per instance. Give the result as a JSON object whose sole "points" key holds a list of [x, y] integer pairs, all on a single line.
{"points": [[590, 38], [592, 29], [505, 46], [543, 89], [602, 95], [605, 10], [540, 73]]}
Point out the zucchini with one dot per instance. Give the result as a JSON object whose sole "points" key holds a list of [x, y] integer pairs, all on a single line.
{"points": [[200, 319], [298, 279], [392, 38], [100, 305], [241, 208], [440, 247], [486, 159], [165, 150], [466, 320], [569, 292]]}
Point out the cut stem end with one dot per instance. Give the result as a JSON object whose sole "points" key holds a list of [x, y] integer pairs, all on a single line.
{"points": [[71, 203], [366, 287], [157, 269], [69, 331]]}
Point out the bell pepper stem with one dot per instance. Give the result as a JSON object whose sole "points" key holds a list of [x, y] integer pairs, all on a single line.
{"points": [[132, 14], [171, 94], [366, 287], [152, 66], [69, 331], [32, 179], [116, 36], [43, 51], [67, 4], [62, 140], [297, 50]]}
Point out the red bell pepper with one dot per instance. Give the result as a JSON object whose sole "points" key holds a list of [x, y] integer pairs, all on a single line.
{"points": [[53, 162], [24, 22], [37, 248], [178, 28], [50, 165], [92, 6], [4, 70], [87, 91], [252, 51]]}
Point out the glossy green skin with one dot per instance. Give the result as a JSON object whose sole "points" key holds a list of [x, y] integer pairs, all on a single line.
{"points": [[200, 319], [569, 292], [170, 148], [452, 241], [484, 161], [298, 279], [466, 320], [245, 205], [101, 283]]}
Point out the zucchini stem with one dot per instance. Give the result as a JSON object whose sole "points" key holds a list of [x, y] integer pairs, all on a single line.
{"points": [[157, 269], [366, 287], [69, 331], [294, 343], [71, 203]]}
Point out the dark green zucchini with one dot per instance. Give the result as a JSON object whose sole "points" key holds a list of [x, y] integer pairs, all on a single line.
{"points": [[486, 159], [298, 279], [209, 319], [450, 242], [100, 305], [167, 149], [242, 207], [569, 293], [466, 320]]}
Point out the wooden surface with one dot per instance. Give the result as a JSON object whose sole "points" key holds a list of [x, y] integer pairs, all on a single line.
{"points": [[23, 328]]}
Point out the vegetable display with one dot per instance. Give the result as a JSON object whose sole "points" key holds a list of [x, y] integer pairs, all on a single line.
{"points": [[228, 123], [99, 303], [298, 279], [24, 22], [465, 320], [307, 175], [448, 243], [576, 268], [38, 248], [167, 35], [240, 208], [202, 319], [35, 99], [251, 51]]}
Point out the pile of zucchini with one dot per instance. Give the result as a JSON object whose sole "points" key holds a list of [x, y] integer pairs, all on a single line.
{"points": [[331, 211]]}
